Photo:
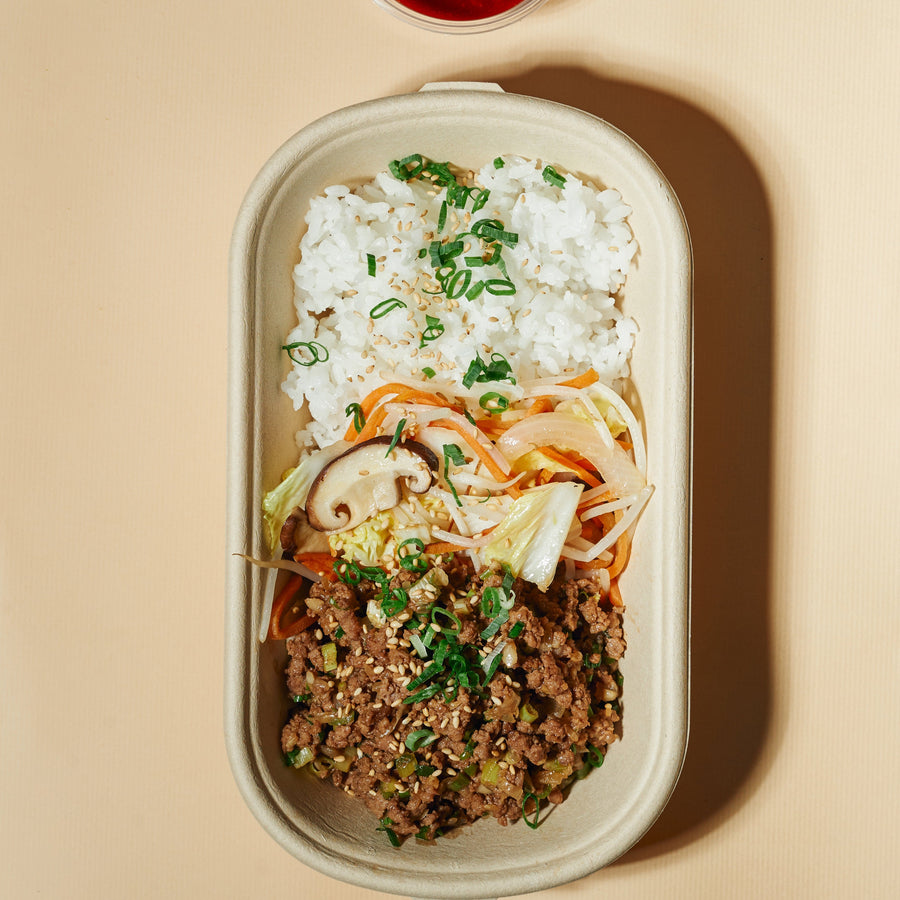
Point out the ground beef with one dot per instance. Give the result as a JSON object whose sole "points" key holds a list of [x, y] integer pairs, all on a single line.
{"points": [[484, 739]]}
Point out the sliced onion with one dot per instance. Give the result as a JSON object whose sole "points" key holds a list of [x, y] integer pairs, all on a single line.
{"points": [[614, 533], [460, 540], [582, 396], [612, 506], [634, 429], [613, 463]]}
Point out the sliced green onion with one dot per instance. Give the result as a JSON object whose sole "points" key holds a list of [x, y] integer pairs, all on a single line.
{"points": [[348, 572], [424, 770], [551, 176], [428, 372], [423, 253], [408, 168], [418, 646], [454, 454], [490, 771], [527, 713], [359, 419], [415, 740], [395, 602], [594, 756], [405, 765], [499, 286], [329, 656], [433, 331], [442, 216], [493, 403], [517, 629], [474, 291], [439, 610], [499, 163], [453, 287], [386, 306], [537, 809], [298, 757], [392, 835], [413, 561], [318, 352], [370, 262], [398, 431], [480, 199]]}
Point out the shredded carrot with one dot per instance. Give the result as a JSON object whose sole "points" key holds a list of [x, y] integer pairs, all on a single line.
{"points": [[403, 392], [376, 416], [540, 405], [615, 595], [625, 445], [483, 455], [282, 605], [623, 548], [443, 547], [583, 380], [563, 460], [320, 563]]}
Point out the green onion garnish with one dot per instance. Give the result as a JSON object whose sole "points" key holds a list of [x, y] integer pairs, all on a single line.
{"points": [[499, 163], [370, 260], [537, 809], [423, 253], [493, 403], [428, 372], [318, 352], [392, 835], [408, 168], [551, 176], [396, 438], [454, 288], [442, 216], [473, 292], [386, 306], [433, 330], [517, 629], [480, 200], [497, 369], [412, 561], [348, 572], [439, 610], [499, 286], [395, 602], [359, 419], [415, 740]]}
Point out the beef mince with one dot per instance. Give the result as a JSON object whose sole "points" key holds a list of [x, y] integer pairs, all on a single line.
{"points": [[504, 710]]}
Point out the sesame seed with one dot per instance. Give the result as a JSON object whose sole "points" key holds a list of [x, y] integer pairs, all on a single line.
{"points": [[378, 670]]}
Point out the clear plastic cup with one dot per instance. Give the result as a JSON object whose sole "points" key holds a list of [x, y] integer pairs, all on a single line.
{"points": [[461, 17]]}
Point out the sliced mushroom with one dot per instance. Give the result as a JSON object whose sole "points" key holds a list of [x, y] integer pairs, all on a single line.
{"points": [[367, 479]]}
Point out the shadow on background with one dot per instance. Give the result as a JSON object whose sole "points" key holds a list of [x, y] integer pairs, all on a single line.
{"points": [[728, 215]]}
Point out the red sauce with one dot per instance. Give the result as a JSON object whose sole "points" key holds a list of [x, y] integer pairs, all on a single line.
{"points": [[459, 10]]}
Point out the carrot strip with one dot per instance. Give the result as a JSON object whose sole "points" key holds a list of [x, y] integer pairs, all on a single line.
{"points": [[585, 379], [376, 416], [483, 455], [615, 595], [320, 563], [623, 549], [540, 405], [282, 605], [403, 392], [563, 460], [443, 547]]}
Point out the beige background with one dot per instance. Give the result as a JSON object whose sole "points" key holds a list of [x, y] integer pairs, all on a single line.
{"points": [[130, 133]]}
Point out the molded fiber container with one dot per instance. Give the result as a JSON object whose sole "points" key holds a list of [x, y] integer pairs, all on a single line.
{"points": [[607, 812]]}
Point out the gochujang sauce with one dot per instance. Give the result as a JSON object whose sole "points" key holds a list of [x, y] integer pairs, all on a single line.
{"points": [[459, 10]]}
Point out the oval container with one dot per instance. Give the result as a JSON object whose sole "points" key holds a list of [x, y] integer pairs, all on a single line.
{"points": [[607, 812]]}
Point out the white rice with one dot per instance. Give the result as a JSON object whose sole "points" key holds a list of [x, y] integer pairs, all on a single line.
{"points": [[573, 252]]}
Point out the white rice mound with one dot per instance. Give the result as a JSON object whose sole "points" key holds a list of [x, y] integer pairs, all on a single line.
{"points": [[570, 262]]}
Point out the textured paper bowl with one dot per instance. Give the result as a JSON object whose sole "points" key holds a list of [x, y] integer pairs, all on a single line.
{"points": [[609, 811]]}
